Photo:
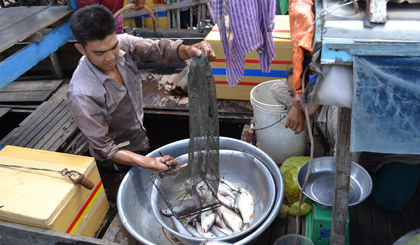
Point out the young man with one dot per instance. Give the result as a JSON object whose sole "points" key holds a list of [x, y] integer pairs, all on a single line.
{"points": [[105, 92]]}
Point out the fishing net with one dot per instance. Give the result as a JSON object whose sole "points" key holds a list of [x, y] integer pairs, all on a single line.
{"points": [[193, 189]]}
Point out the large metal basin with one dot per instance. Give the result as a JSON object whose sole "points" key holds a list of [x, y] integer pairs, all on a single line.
{"points": [[134, 195], [242, 170], [320, 186]]}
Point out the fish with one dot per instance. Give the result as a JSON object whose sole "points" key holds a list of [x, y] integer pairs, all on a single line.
{"points": [[225, 191], [225, 230], [230, 185], [244, 203], [193, 231], [218, 221], [204, 234], [190, 218], [215, 230], [232, 219], [177, 225], [166, 212], [227, 201], [207, 220]]}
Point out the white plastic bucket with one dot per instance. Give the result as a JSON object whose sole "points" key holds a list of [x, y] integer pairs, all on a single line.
{"points": [[274, 138]]}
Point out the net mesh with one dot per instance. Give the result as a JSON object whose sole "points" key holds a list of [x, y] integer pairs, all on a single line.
{"points": [[193, 189]]}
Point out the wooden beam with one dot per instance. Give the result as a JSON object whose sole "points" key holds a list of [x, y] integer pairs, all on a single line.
{"points": [[342, 178], [16, 65], [12, 233], [166, 7]]}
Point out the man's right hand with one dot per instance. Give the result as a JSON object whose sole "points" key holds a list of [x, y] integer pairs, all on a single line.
{"points": [[295, 120], [139, 4]]}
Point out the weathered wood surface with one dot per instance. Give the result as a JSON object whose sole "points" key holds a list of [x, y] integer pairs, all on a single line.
{"points": [[4, 111], [39, 85], [342, 178], [30, 25], [161, 97], [49, 127], [15, 15], [11, 233]]}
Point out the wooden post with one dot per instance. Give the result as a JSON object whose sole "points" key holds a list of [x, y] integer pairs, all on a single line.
{"points": [[178, 16], [143, 25], [199, 18], [55, 65], [157, 18], [342, 178], [168, 16], [191, 19]]}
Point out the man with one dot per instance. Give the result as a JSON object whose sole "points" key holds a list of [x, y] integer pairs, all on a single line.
{"points": [[105, 92]]}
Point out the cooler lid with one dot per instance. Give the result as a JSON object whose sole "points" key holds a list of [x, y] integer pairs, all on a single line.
{"points": [[36, 197]]}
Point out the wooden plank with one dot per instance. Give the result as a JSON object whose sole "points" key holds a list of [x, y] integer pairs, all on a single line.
{"points": [[416, 213], [40, 109], [342, 178], [29, 125], [291, 225], [38, 127], [12, 233], [379, 224], [117, 233], [31, 25], [25, 97], [164, 8], [365, 223], [353, 226], [25, 107], [278, 229], [15, 15], [50, 129], [25, 86], [395, 226], [409, 223], [67, 133], [4, 111]]}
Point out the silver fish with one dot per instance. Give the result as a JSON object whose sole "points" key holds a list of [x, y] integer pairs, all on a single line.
{"points": [[204, 234], [230, 185], [225, 230], [225, 191], [177, 225], [245, 204], [189, 218], [207, 220], [166, 212], [217, 232], [218, 221], [193, 231], [232, 219], [227, 201]]}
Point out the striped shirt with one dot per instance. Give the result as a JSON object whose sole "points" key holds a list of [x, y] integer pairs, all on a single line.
{"points": [[244, 26]]}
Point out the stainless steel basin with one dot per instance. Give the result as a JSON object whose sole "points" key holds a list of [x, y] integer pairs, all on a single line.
{"points": [[320, 186], [242, 170], [134, 195]]}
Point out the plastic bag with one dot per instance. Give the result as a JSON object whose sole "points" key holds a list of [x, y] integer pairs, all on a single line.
{"points": [[304, 209], [411, 238], [289, 170]]}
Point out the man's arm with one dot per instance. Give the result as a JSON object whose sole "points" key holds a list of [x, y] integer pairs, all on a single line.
{"points": [[188, 52], [295, 120], [129, 158]]}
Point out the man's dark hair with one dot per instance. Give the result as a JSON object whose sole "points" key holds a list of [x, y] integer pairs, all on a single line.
{"points": [[92, 23]]}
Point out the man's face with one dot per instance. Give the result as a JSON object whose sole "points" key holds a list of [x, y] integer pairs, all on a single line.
{"points": [[102, 53], [296, 97]]}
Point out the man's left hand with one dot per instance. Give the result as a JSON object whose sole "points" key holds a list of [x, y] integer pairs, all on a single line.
{"points": [[188, 52]]}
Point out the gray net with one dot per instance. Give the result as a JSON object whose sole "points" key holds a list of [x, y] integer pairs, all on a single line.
{"points": [[193, 189]]}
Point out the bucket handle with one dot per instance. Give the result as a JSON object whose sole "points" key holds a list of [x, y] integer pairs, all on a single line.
{"points": [[281, 118]]}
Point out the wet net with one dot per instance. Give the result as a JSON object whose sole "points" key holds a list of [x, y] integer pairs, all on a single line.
{"points": [[193, 189]]}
